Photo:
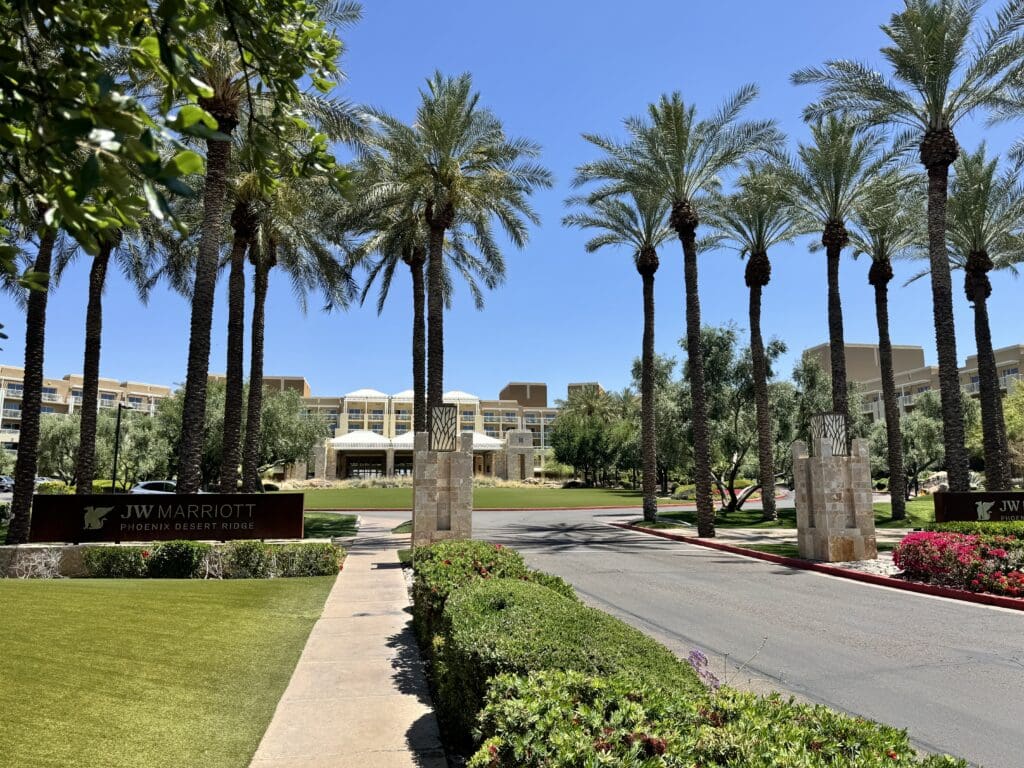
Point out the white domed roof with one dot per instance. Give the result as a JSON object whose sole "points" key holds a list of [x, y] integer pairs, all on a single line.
{"points": [[405, 394], [367, 394], [458, 395]]}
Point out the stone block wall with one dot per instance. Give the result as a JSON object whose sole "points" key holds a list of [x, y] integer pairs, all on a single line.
{"points": [[834, 515], [515, 462], [442, 491]]}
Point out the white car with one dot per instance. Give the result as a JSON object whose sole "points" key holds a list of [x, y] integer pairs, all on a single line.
{"points": [[155, 486]]}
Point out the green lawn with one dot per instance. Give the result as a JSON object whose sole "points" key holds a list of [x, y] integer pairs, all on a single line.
{"points": [[130, 673], [405, 527], [325, 525], [483, 498], [919, 513]]}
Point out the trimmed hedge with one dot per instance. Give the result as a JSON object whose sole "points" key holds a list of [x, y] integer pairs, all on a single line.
{"points": [[498, 626], [991, 528], [567, 718], [178, 560], [182, 559], [445, 566]]}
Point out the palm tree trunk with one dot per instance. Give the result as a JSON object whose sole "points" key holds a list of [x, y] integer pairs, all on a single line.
{"points": [[419, 342], [879, 276], [834, 238], [758, 273], [193, 416], [938, 151], [251, 482], [31, 399], [85, 464], [435, 321], [234, 374], [647, 265], [684, 221], [978, 288]]}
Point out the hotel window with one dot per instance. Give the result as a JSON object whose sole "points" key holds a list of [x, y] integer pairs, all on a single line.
{"points": [[490, 417], [490, 432], [135, 402], [377, 414], [47, 409], [356, 413], [15, 388], [1011, 372], [510, 416]]}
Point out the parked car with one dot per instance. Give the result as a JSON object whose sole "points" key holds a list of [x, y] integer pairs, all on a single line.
{"points": [[6, 484], [155, 486]]}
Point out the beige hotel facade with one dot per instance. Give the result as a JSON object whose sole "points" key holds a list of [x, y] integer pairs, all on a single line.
{"points": [[911, 375]]}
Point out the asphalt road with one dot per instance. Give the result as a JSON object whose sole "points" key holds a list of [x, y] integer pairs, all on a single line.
{"points": [[951, 673]]}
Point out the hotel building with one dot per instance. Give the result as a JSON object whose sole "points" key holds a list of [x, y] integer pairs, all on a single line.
{"points": [[65, 396], [911, 375]]}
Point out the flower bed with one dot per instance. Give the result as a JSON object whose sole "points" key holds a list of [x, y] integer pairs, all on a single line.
{"points": [[978, 563], [562, 684]]}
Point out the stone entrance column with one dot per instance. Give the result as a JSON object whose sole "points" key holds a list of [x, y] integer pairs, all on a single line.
{"points": [[389, 462], [834, 514], [442, 481]]}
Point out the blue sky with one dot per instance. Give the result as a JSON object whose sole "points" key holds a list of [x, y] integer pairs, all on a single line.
{"points": [[552, 70]]}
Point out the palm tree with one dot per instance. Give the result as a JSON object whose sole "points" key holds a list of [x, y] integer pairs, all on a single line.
{"points": [[32, 392], [130, 251], [887, 225], [831, 175], [759, 216], [297, 231], [231, 81], [986, 219], [680, 158], [640, 223], [946, 64], [458, 161]]}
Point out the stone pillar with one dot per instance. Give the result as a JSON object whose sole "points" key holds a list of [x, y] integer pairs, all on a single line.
{"points": [[389, 462], [331, 467], [834, 515], [320, 460], [518, 454], [442, 491]]}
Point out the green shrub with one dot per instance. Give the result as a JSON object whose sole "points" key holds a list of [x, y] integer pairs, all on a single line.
{"points": [[447, 565], [312, 559], [178, 560], [248, 560], [561, 718], [552, 582], [990, 528], [55, 488], [5, 512], [497, 626], [116, 562]]}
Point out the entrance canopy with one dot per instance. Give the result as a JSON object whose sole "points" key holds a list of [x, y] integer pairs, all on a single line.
{"points": [[404, 442], [360, 440]]}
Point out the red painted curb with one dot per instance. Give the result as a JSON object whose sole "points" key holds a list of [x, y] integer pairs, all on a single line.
{"points": [[1013, 603]]}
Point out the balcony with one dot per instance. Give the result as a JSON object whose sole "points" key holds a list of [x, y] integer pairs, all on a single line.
{"points": [[1008, 379], [51, 397], [75, 399], [13, 392], [11, 413], [108, 403], [10, 431]]}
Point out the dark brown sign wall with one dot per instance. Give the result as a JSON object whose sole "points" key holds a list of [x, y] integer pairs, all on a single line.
{"points": [[159, 517], [974, 507]]}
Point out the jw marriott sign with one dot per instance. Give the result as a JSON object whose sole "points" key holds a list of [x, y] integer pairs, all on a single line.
{"points": [[157, 517]]}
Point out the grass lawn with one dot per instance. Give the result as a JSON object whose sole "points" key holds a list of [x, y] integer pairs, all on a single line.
{"points": [[790, 549], [405, 556], [483, 498], [325, 525], [919, 513], [129, 673], [405, 527]]}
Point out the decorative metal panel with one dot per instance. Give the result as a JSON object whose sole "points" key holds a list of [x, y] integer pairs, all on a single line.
{"points": [[831, 426], [444, 430]]}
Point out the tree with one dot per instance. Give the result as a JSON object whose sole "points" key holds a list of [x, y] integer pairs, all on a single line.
{"points": [[288, 433], [759, 216], [923, 447], [297, 232], [830, 177], [581, 434], [986, 218], [671, 417], [458, 161], [887, 225], [680, 158], [305, 46], [639, 223], [814, 396], [732, 411], [58, 447], [1013, 411], [946, 64], [396, 233]]}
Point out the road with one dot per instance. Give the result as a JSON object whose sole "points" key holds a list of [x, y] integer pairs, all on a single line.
{"points": [[951, 673]]}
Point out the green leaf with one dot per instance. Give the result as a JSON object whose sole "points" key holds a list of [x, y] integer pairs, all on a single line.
{"points": [[185, 163], [191, 115], [153, 200], [150, 46]]}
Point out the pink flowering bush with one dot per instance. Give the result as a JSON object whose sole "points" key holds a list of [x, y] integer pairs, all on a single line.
{"points": [[966, 561]]}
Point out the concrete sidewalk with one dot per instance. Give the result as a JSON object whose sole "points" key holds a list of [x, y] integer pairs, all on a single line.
{"points": [[358, 697]]}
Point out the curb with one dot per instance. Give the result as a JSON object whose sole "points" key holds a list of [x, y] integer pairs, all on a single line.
{"points": [[962, 595]]}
